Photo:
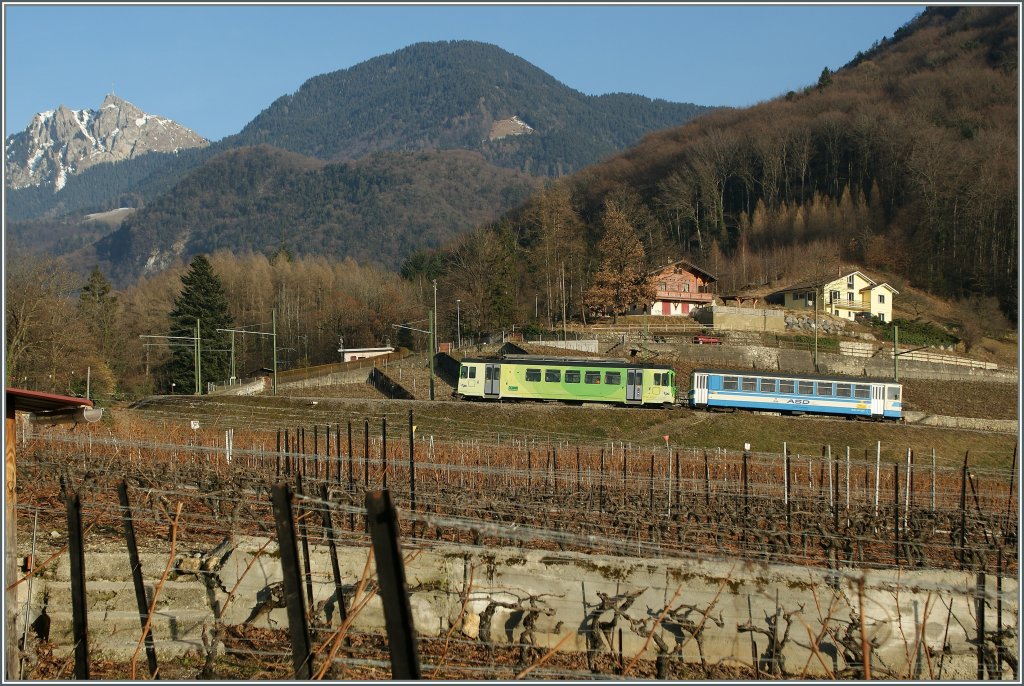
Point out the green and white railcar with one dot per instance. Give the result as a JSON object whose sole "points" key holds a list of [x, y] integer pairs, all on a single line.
{"points": [[567, 379]]}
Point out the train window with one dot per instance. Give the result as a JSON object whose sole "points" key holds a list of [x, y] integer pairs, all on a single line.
{"points": [[786, 386], [613, 378], [767, 385], [472, 372], [825, 389], [805, 387], [730, 383], [749, 383], [842, 390], [572, 376], [487, 373], [892, 392], [464, 373], [552, 375], [861, 391], [533, 375], [592, 377]]}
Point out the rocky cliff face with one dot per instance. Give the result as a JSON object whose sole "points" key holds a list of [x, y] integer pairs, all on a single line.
{"points": [[59, 143]]}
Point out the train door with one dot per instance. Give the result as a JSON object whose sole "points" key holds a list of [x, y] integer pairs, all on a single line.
{"points": [[492, 380], [634, 385], [877, 399], [700, 390]]}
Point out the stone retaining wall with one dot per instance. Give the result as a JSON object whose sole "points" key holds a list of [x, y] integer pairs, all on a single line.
{"points": [[567, 586]]}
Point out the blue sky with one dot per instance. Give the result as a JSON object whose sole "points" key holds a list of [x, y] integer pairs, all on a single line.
{"points": [[213, 68]]}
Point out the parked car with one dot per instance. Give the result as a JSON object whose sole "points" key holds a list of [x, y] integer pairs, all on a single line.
{"points": [[704, 339]]}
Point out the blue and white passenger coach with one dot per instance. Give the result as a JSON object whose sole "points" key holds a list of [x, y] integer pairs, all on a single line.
{"points": [[796, 394]]}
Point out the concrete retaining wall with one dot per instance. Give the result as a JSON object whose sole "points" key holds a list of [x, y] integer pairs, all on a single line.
{"points": [[352, 376], [587, 346], [567, 587], [741, 319], [1009, 426], [763, 357], [263, 383]]}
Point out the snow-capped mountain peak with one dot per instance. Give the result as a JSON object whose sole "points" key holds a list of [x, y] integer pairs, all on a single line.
{"points": [[58, 143]]}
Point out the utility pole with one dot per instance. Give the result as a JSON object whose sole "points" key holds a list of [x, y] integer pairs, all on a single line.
{"points": [[458, 323], [816, 328], [274, 324], [895, 352], [199, 361], [433, 334], [433, 324], [565, 336]]}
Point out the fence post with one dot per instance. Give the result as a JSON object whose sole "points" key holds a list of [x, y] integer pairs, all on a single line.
{"points": [[79, 622], [281, 497], [384, 450], [963, 514], [393, 591], [335, 567], [412, 465], [896, 511], [136, 566], [366, 454], [979, 596], [304, 540]]}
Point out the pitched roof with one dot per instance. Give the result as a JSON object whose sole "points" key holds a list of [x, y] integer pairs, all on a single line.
{"points": [[687, 265], [811, 283], [36, 401]]}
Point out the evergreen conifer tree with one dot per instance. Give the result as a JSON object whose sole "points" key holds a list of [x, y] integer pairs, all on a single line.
{"points": [[202, 298], [99, 307]]}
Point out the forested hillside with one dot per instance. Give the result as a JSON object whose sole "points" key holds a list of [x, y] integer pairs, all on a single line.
{"points": [[446, 95], [428, 96], [904, 161], [378, 210]]}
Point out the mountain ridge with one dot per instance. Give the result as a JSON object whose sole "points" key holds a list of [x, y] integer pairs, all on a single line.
{"points": [[62, 142]]}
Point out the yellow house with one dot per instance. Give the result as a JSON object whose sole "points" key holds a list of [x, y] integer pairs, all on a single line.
{"points": [[844, 297]]}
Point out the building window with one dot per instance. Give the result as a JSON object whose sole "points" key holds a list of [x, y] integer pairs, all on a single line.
{"points": [[834, 295], [881, 316], [552, 375], [881, 298], [686, 288], [572, 376], [592, 377], [849, 296], [533, 375], [849, 281]]}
